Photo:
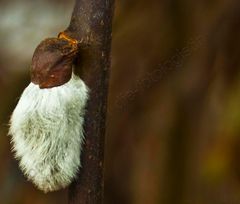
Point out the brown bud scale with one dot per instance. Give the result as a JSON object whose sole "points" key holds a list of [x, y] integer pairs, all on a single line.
{"points": [[52, 61]]}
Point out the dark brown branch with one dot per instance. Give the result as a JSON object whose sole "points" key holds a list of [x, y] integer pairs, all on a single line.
{"points": [[91, 25]]}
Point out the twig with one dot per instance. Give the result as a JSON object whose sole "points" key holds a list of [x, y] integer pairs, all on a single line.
{"points": [[91, 25]]}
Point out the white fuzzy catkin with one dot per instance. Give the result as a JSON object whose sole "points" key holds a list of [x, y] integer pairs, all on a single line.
{"points": [[47, 133]]}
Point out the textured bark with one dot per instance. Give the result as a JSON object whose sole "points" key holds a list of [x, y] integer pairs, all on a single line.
{"points": [[91, 25]]}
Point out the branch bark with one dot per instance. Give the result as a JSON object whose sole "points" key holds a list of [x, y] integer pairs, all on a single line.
{"points": [[91, 25]]}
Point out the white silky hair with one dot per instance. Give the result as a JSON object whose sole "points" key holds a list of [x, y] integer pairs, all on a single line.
{"points": [[47, 133]]}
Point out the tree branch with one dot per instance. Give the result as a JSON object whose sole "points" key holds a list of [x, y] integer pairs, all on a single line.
{"points": [[91, 25]]}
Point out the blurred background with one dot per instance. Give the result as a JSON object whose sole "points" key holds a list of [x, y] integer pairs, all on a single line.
{"points": [[173, 129]]}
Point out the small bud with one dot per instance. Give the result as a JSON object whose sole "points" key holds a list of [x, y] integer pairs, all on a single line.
{"points": [[46, 126]]}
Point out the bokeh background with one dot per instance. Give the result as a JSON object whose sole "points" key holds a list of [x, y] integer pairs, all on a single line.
{"points": [[173, 129]]}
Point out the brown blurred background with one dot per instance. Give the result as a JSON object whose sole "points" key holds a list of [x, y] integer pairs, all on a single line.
{"points": [[173, 130]]}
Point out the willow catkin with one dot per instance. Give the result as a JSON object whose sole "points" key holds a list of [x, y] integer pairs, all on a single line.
{"points": [[47, 133]]}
